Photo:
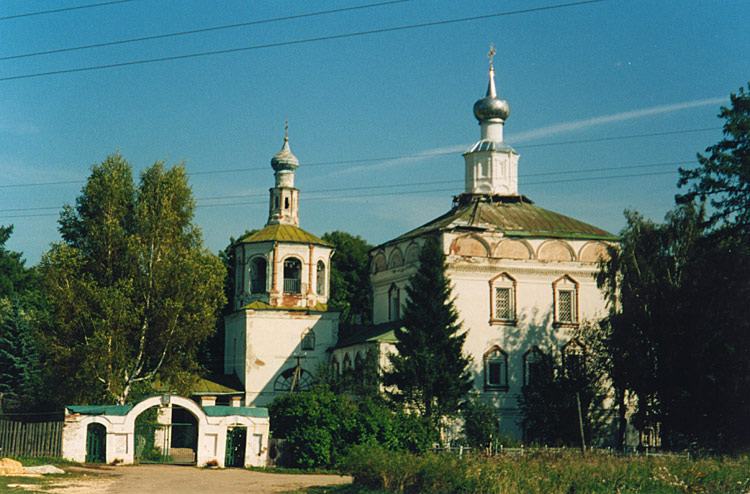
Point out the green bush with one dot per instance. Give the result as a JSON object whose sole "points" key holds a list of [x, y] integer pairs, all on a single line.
{"points": [[320, 427]]}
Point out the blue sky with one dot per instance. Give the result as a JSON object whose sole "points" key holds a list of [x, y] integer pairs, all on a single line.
{"points": [[597, 72]]}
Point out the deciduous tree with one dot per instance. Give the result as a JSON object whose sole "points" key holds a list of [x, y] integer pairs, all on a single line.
{"points": [[133, 292], [350, 277]]}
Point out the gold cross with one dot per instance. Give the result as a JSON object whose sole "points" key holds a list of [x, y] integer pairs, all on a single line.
{"points": [[286, 130], [491, 53]]}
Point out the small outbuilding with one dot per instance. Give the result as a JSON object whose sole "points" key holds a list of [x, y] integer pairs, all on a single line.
{"points": [[178, 431]]}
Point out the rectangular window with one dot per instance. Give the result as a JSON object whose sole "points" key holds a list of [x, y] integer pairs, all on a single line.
{"points": [[503, 303], [496, 377], [565, 306]]}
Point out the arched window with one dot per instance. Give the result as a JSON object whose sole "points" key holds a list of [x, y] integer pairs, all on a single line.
{"points": [[286, 203], [258, 269], [358, 361], [347, 362], [496, 370], [292, 275], [321, 278], [394, 303], [536, 367], [308, 340], [293, 379]]}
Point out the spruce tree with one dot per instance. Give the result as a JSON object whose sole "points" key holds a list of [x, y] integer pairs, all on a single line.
{"points": [[19, 361], [429, 373]]}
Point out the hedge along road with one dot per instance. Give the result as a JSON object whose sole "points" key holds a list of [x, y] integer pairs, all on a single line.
{"points": [[174, 479]]}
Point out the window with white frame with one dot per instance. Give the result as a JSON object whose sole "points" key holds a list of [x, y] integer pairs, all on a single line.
{"points": [[503, 299], [495, 370], [566, 301]]}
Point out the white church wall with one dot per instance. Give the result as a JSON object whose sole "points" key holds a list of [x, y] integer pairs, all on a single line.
{"points": [[274, 340]]}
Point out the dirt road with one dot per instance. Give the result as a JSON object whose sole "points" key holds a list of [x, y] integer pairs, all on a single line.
{"points": [[173, 479]]}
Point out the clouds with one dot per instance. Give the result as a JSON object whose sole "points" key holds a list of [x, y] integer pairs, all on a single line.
{"points": [[607, 119], [549, 130]]}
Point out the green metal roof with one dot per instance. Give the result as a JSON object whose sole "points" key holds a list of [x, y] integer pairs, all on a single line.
{"points": [[223, 411], [511, 215], [284, 233], [100, 409], [379, 333]]}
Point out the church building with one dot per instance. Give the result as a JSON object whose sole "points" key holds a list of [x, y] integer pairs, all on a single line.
{"points": [[281, 329], [523, 277]]}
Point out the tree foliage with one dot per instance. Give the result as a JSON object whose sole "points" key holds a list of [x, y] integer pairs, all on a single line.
{"points": [[350, 277], [320, 427], [132, 290], [680, 328], [480, 428], [549, 406], [429, 373], [724, 174], [20, 379], [15, 279]]}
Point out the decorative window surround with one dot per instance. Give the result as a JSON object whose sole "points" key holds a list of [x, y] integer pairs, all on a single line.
{"points": [[565, 293]]}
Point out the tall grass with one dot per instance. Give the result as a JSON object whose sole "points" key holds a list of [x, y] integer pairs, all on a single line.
{"points": [[543, 472]]}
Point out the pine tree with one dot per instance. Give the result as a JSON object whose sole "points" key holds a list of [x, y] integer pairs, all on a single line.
{"points": [[429, 372]]}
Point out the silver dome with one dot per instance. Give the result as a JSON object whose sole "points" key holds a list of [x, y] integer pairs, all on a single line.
{"points": [[491, 107], [284, 159]]}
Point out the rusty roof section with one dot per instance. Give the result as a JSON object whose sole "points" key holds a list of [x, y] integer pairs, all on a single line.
{"points": [[284, 233], [511, 215]]}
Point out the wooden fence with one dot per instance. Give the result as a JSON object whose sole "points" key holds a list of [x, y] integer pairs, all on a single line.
{"points": [[30, 439]]}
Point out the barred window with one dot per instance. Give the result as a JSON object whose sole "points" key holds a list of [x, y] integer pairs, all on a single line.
{"points": [[565, 292], [502, 303], [565, 306], [503, 308]]}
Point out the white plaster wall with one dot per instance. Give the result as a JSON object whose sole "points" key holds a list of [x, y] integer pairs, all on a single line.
{"points": [[273, 337]]}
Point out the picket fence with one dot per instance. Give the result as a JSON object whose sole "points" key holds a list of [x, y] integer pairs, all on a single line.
{"points": [[30, 439]]}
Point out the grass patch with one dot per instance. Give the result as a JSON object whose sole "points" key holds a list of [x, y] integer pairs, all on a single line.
{"points": [[560, 472]]}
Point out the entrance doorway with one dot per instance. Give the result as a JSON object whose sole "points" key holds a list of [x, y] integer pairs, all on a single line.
{"points": [[236, 441], [166, 436], [96, 443]]}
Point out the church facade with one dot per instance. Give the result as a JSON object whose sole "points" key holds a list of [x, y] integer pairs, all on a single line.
{"points": [[523, 277]]}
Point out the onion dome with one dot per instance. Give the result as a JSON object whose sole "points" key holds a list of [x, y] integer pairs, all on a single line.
{"points": [[284, 159], [491, 107]]}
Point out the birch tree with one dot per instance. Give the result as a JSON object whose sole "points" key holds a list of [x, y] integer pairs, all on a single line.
{"points": [[132, 289]]}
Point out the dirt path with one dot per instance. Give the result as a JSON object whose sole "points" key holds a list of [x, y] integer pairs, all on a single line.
{"points": [[173, 479]]}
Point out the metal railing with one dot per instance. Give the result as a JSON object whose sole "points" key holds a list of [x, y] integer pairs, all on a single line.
{"points": [[292, 285]]}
